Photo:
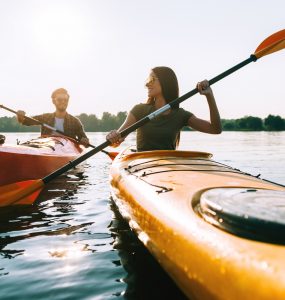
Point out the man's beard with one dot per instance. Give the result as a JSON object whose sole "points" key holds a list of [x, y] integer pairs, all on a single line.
{"points": [[61, 109]]}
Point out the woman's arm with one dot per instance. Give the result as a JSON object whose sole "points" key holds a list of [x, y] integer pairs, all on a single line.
{"points": [[214, 125]]}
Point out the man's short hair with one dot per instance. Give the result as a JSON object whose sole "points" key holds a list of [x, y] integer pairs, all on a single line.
{"points": [[59, 91]]}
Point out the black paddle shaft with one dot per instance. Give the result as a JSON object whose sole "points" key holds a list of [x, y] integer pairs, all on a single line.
{"points": [[143, 121]]}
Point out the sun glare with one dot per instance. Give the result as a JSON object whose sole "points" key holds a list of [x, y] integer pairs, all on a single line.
{"points": [[60, 32]]}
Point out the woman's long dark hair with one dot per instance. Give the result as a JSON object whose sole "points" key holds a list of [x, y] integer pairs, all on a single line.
{"points": [[168, 82], [169, 86]]}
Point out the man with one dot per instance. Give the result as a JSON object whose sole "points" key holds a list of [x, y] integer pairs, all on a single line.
{"points": [[60, 119]]}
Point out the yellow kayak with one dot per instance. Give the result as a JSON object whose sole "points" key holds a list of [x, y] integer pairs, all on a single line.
{"points": [[218, 232]]}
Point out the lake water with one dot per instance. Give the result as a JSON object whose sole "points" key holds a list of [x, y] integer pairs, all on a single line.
{"points": [[73, 244]]}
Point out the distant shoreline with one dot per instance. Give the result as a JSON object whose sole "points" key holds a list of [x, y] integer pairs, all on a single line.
{"points": [[108, 122]]}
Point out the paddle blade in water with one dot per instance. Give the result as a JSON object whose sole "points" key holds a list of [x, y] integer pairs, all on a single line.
{"points": [[20, 193], [273, 43]]}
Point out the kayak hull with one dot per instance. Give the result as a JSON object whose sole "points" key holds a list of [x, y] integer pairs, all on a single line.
{"points": [[35, 159], [157, 193]]}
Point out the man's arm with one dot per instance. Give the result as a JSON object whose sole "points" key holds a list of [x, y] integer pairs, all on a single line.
{"points": [[81, 135], [25, 121]]}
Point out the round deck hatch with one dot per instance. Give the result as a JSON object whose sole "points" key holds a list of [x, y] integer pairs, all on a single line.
{"points": [[256, 214]]}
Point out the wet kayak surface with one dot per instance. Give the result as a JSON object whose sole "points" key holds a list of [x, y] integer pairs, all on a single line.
{"points": [[74, 245]]}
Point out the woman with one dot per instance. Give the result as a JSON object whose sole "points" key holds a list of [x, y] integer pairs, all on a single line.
{"points": [[163, 132]]}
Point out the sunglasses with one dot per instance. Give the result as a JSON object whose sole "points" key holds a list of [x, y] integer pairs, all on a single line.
{"points": [[61, 99], [151, 80]]}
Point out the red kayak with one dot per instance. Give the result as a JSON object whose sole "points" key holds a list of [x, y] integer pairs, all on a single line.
{"points": [[36, 158]]}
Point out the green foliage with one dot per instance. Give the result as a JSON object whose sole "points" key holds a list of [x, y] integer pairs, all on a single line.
{"points": [[249, 123], [90, 122], [109, 121], [274, 123], [10, 124], [229, 125]]}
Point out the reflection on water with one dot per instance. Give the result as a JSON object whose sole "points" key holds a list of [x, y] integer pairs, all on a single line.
{"points": [[25, 222], [26, 218], [73, 245]]}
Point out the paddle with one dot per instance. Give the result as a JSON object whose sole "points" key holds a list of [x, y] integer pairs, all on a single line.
{"points": [[26, 192], [112, 155]]}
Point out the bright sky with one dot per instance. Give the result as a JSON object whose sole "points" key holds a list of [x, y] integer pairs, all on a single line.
{"points": [[102, 51]]}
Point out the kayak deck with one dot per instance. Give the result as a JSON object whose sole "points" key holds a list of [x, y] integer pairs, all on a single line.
{"points": [[157, 192]]}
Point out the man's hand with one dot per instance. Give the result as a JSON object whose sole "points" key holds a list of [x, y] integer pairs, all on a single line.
{"points": [[21, 116], [85, 142]]}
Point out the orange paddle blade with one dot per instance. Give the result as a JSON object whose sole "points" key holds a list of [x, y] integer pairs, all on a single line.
{"points": [[112, 155], [273, 43], [20, 193]]}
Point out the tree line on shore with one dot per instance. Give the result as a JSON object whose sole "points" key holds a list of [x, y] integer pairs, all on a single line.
{"points": [[110, 121]]}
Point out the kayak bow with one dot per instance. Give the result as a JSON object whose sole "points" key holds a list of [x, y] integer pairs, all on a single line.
{"points": [[175, 200], [35, 158]]}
